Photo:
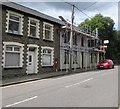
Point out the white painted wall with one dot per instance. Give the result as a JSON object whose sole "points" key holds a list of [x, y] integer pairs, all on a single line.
{"points": [[77, 48]]}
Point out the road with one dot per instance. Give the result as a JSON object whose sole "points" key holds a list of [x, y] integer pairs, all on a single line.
{"points": [[89, 89]]}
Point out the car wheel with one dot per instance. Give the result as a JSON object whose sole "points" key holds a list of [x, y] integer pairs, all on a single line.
{"points": [[113, 66]]}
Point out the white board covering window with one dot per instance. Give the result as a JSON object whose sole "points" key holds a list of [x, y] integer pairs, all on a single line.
{"points": [[12, 59], [12, 56], [47, 56], [14, 23]]}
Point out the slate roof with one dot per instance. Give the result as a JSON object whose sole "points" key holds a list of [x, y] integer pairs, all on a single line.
{"points": [[39, 14], [31, 11]]}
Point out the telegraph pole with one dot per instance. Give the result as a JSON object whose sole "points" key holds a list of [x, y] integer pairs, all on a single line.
{"points": [[71, 37]]}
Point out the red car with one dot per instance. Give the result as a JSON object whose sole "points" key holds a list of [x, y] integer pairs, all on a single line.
{"points": [[107, 63]]}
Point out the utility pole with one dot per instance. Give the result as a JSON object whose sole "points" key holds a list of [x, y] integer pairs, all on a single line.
{"points": [[71, 37]]}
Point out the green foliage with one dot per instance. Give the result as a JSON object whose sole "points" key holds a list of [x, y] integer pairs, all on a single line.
{"points": [[106, 31], [104, 24]]}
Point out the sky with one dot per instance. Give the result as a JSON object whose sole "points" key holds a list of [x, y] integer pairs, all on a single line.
{"points": [[55, 9]]}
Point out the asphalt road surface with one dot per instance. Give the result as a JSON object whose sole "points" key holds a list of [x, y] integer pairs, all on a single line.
{"points": [[89, 89]]}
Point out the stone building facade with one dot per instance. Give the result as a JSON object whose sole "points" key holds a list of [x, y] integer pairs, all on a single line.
{"points": [[32, 41]]}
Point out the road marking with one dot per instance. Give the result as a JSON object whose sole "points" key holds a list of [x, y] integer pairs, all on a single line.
{"points": [[21, 101], [42, 80], [25, 83], [78, 83]]}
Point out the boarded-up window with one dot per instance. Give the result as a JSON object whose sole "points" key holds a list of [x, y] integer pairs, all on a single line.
{"points": [[47, 57], [12, 56], [12, 59]]}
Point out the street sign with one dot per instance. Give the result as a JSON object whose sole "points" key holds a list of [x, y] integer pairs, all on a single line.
{"points": [[105, 46], [106, 41]]}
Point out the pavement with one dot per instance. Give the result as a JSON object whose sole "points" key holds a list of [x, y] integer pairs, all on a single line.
{"points": [[90, 89], [27, 78]]}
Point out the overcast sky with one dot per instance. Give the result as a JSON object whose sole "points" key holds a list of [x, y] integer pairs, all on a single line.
{"points": [[56, 9]]}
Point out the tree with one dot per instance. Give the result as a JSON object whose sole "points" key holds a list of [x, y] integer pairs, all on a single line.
{"points": [[106, 31], [117, 44], [105, 25]]}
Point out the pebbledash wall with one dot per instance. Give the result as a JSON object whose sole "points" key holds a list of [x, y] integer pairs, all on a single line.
{"points": [[23, 51]]}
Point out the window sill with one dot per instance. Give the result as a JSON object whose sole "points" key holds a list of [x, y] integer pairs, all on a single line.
{"points": [[43, 66], [48, 40], [14, 34], [14, 67], [34, 37]]}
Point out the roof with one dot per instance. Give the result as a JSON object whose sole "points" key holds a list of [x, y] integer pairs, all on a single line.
{"points": [[39, 14], [31, 11]]}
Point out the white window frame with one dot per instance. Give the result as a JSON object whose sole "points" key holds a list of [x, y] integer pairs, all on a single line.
{"points": [[20, 32], [52, 55], [21, 53], [37, 27], [44, 24]]}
